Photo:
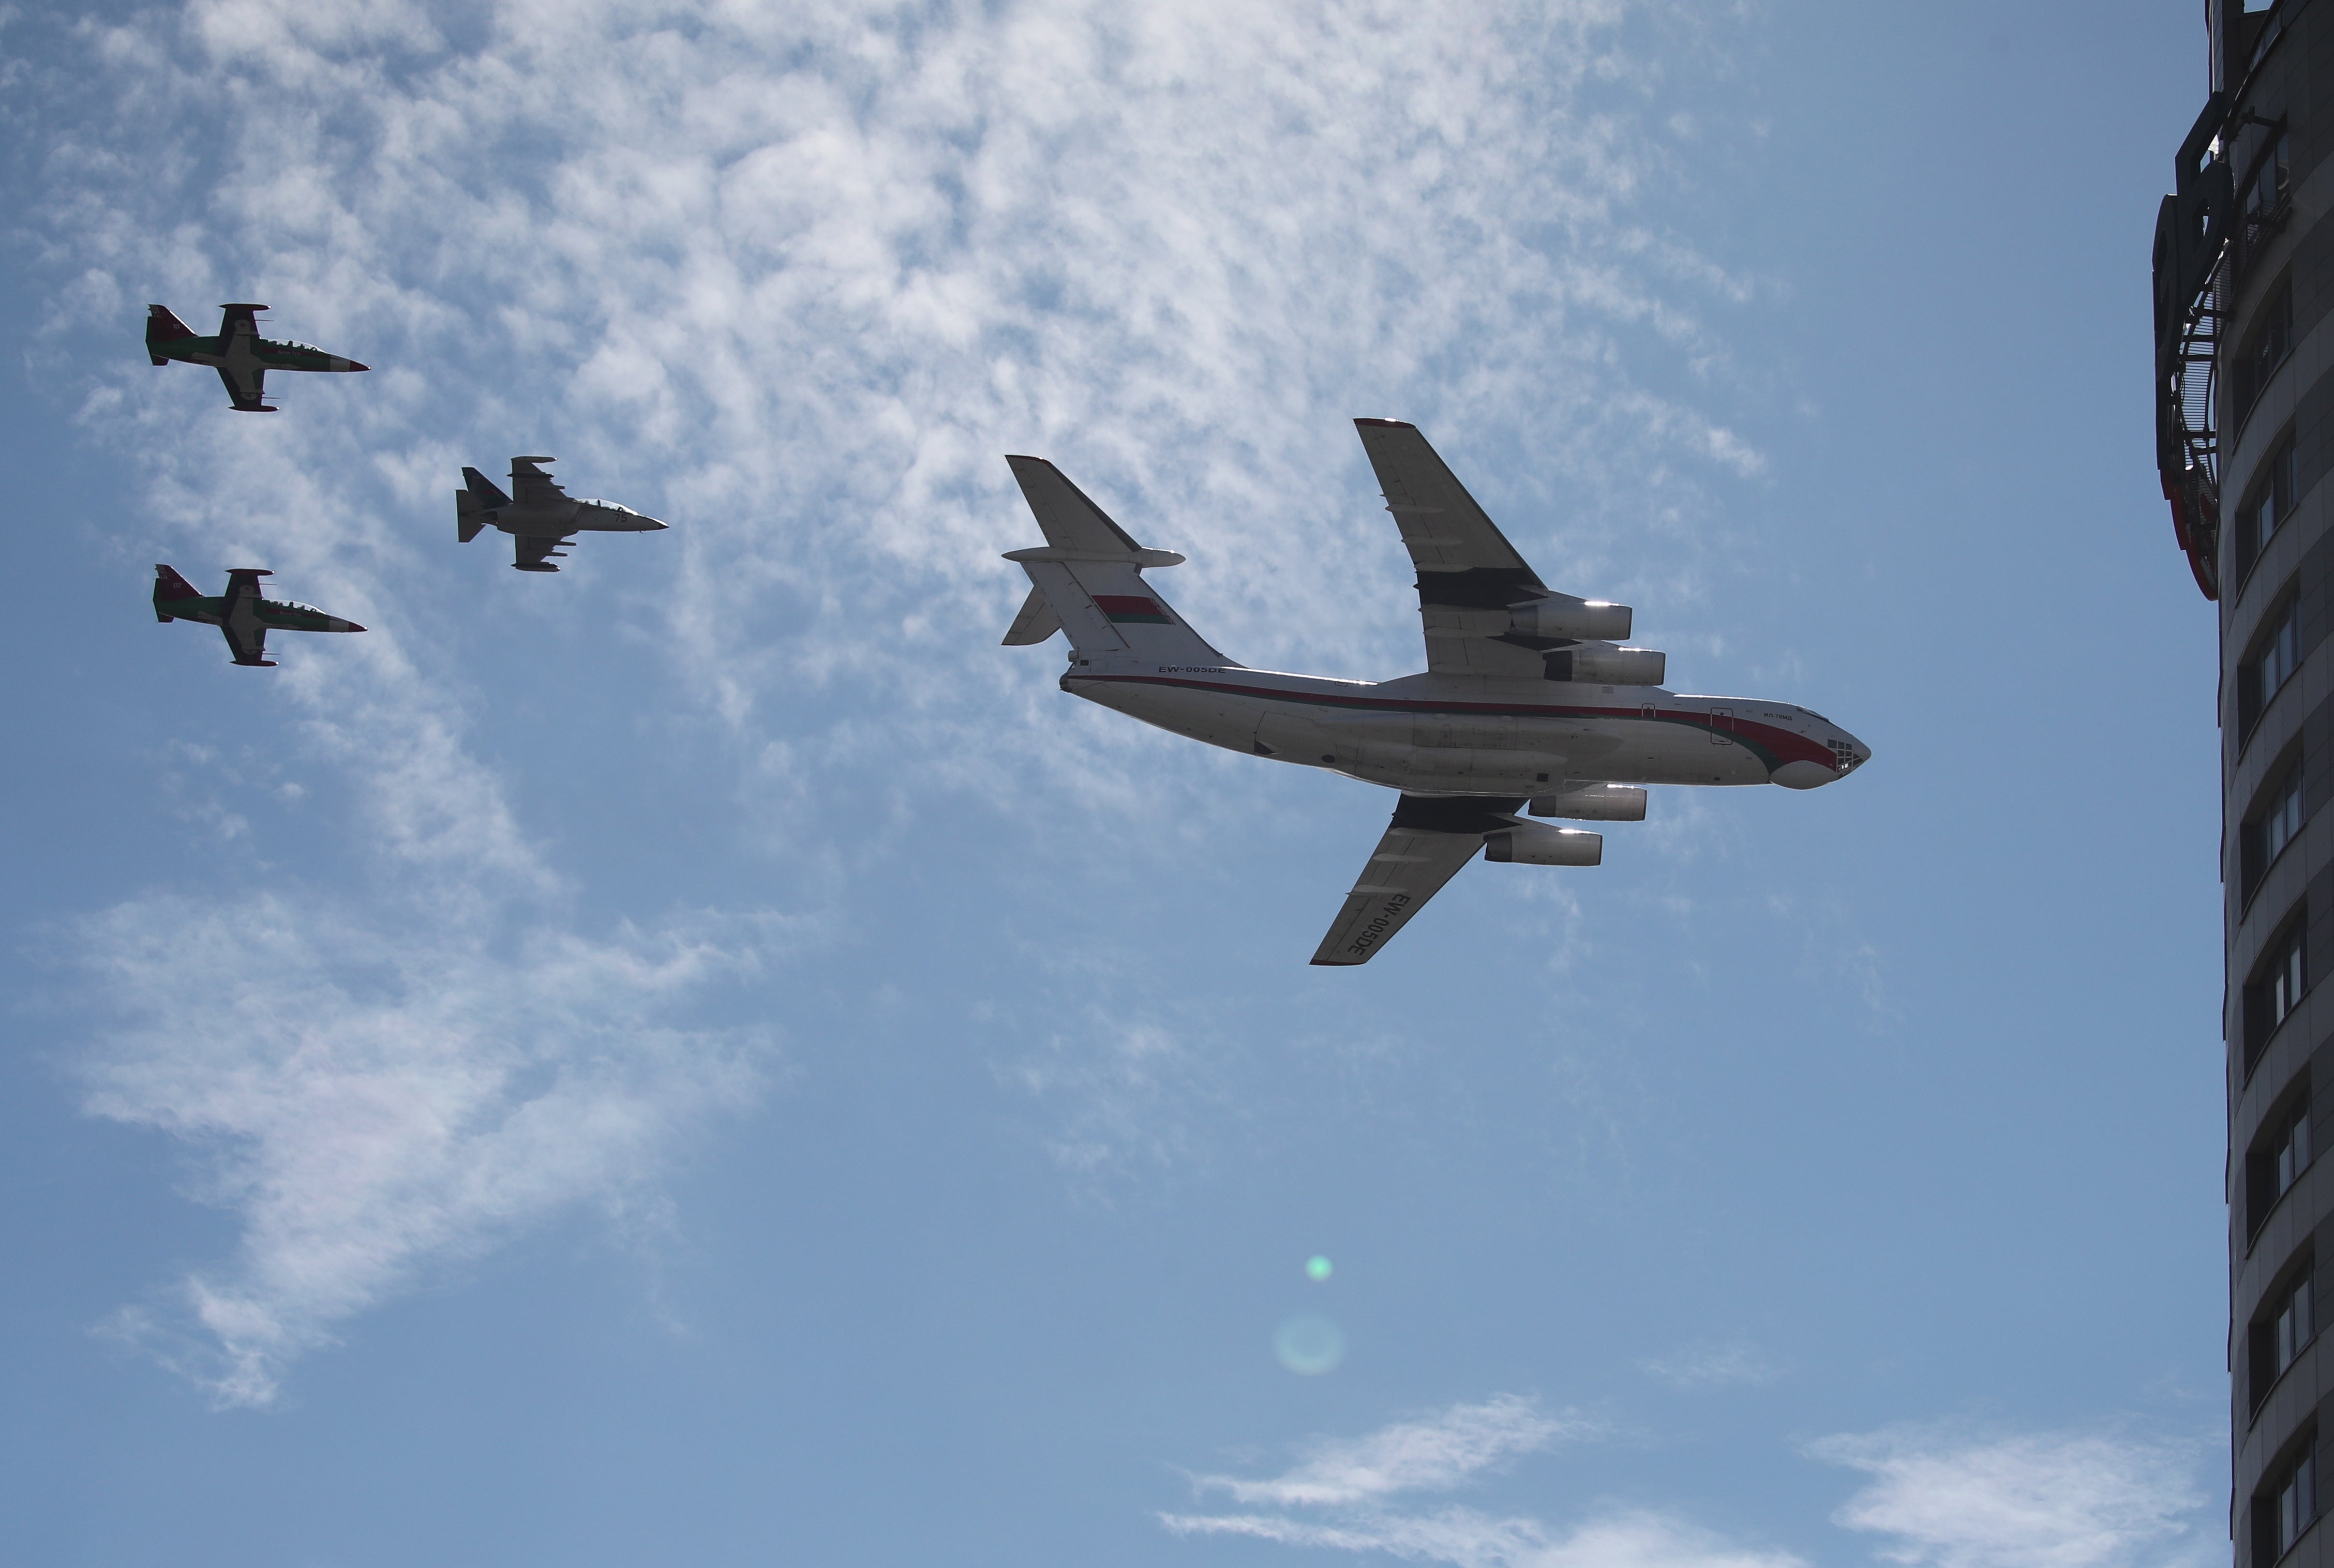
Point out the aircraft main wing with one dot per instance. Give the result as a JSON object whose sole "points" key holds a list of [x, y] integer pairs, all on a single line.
{"points": [[248, 648], [531, 485], [1430, 837], [247, 391], [534, 551], [1468, 573]]}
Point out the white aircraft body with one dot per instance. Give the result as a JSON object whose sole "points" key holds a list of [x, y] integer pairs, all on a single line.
{"points": [[1527, 707], [538, 514]]}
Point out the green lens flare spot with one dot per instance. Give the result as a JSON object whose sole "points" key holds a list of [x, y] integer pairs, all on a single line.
{"points": [[1310, 1345], [1317, 1268]]}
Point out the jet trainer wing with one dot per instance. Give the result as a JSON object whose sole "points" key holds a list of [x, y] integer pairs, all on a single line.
{"points": [[1430, 837], [536, 549], [247, 646], [1468, 573], [530, 486], [247, 391]]}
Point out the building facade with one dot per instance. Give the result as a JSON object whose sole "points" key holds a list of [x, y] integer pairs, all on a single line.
{"points": [[2244, 290]]}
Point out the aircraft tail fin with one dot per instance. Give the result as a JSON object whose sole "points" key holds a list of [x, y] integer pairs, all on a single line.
{"points": [[163, 327], [170, 588], [1088, 579], [479, 495]]}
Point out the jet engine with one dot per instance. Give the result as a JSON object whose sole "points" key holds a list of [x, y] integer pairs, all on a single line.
{"points": [[1562, 615], [1529, 844], [1594, 804], [1609, 665]]}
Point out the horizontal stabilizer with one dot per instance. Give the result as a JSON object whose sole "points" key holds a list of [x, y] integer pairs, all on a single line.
{"points": [[1036, 622]]}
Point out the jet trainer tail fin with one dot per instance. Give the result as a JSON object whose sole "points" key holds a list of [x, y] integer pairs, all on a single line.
{"points": [[163, 327], [1088, 579], [170, 588], [479, 495]]}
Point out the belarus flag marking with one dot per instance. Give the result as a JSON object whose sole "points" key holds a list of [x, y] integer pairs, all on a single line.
{"points": [[1134, 607]]}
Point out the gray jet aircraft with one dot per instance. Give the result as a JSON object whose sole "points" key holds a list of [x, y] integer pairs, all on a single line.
{"points": [[542, 517]]}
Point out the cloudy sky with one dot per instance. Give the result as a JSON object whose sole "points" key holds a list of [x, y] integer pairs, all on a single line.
{"points": [[708, 1058]]}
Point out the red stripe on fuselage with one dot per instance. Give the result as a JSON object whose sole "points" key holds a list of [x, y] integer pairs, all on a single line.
{"points": [[1783, 744]]}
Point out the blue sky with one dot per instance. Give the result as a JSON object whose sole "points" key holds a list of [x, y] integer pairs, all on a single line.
{"points": [[708, 1058]]}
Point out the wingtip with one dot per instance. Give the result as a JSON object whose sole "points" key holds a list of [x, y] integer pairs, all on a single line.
{"points": [[1386, 423], [1334, 964]]}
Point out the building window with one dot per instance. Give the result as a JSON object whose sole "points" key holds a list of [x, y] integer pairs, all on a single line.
{"points": [[2265, 348], [2276, 654], [2281, 1332], [2268, 186], [2287, 1506], [2276, 822], [2270, 505], [2276, 990], [2280, 1155]]}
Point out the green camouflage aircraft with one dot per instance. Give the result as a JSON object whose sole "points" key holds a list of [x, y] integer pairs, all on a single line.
{"points": [[240, 612], [241, 355]]}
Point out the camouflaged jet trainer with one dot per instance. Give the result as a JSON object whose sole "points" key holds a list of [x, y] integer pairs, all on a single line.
{"points": [[242, 356], [542, 518], [240, 613]]}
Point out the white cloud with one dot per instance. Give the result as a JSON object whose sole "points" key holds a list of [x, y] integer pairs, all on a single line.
{"points": [[2097, 1499], [1340, 1497], [808, 273], [1714, 1364], [372, 1104], [1471, 1540], [2042, 1500], [1432, 1453], [794, 278]]}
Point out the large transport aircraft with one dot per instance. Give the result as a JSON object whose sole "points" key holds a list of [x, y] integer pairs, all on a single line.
{"points": [[242, 356], [1528, 705], [243, 614], [542, 518]]}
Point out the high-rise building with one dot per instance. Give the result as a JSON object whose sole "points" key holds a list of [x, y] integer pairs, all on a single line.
{"points": [[2245, 358]]}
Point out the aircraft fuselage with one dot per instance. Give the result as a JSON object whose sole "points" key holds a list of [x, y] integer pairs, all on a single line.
{"points": [[1476, 734], [564, 516]]}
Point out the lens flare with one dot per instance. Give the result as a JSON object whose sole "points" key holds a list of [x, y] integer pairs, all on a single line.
{"points": [[1317, 1268], [1310, 1344]]}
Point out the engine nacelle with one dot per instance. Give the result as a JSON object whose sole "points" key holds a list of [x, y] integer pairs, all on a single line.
{"points": [[1532, 845], [1562, 615], [1609, 666], [1595, 803]]}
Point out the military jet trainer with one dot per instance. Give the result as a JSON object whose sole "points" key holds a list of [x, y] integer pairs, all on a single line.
{"points": [[539, 516], [241, 614], [241, 355], [1527, 707]]}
